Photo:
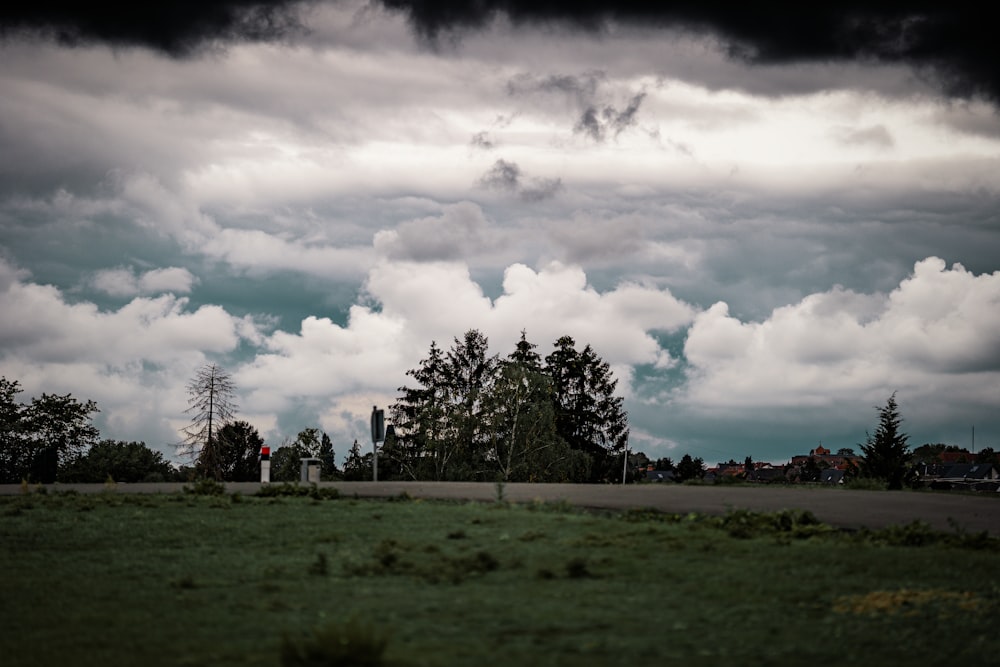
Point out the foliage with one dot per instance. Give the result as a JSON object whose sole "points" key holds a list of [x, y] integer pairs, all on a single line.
{"points": [[236, 455], [328, 457], [745, 524], [665, 463], [358, 466], [472, 416], [689, 469], [420, 416], [522, 443], [885, 453], [211, 405], [352, 643], [205, 487], [988, 455], [297, 491], [39, 438], [286, 461], [589, 417], [121, 461]]}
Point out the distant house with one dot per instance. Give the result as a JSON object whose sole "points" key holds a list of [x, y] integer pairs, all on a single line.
{"points": [[975, 476], [961, 456], [659, 475], [970, 472], [823, 457], [767, 475], [831, 476]]}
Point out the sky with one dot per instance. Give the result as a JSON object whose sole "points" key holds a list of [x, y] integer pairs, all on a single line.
{"points": [[766, 221]]}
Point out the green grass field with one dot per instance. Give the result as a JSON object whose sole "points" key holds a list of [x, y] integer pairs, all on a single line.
{"points": [[116, 579]]}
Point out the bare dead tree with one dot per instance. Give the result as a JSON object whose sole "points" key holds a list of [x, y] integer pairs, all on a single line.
{"points": [[211, 405]]}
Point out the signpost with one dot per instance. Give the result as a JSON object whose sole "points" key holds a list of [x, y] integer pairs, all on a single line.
{"points": [[378, 435]]}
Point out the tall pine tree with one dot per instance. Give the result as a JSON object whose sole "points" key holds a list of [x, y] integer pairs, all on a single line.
{"points": [[885, 452], [588, 414]]}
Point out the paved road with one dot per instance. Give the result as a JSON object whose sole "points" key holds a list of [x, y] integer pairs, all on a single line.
{"points": [[838, 507]]}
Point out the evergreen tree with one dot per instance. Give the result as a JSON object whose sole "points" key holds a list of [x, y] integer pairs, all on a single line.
{"points": [[589, 417], [689, 468], [525, 356], [469, 373], [421, 448], [328, 458], [358, 466], [885, 453]]}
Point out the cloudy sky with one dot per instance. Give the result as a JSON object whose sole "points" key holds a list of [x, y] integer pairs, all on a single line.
{"points": [[765, 222]]}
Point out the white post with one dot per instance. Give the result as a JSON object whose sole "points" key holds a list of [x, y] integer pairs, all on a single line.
{"points": [[265, 465]]}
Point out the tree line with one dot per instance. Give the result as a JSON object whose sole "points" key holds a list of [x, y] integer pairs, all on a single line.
{"points": [[53, 438], [470, 415]]}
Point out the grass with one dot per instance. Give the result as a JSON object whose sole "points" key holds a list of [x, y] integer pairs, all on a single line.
{"points": [[190, 579]]}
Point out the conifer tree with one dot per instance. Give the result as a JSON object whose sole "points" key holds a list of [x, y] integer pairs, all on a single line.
{"points": [[886, 453], [589, 417]]}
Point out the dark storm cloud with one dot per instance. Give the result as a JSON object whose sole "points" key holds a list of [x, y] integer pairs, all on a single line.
{"points": [[954, 43], [176, 27], [598, 124], [506, 176]]}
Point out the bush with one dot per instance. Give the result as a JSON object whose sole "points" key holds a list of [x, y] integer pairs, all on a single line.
{"points": [[866, 484], [295, 490], [352, 643], [205, 487]]}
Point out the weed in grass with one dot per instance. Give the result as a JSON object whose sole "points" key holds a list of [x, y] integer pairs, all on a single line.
{"points": [[645, 514], [865, 484], [17, 506], [205, 487], [531, 536], [290, 490], [745, 524], [353, 644], [319, 567], [576, 568], [500, 489]]}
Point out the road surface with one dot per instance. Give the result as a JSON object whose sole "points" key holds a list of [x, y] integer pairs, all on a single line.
{"points": [[839, 507]]}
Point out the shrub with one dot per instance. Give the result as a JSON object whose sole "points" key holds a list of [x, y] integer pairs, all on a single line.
{"points": [[352, 643], [295, 490], [205, 487]]}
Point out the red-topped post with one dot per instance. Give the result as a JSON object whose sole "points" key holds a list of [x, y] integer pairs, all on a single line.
{"points": [[265, 465]]}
